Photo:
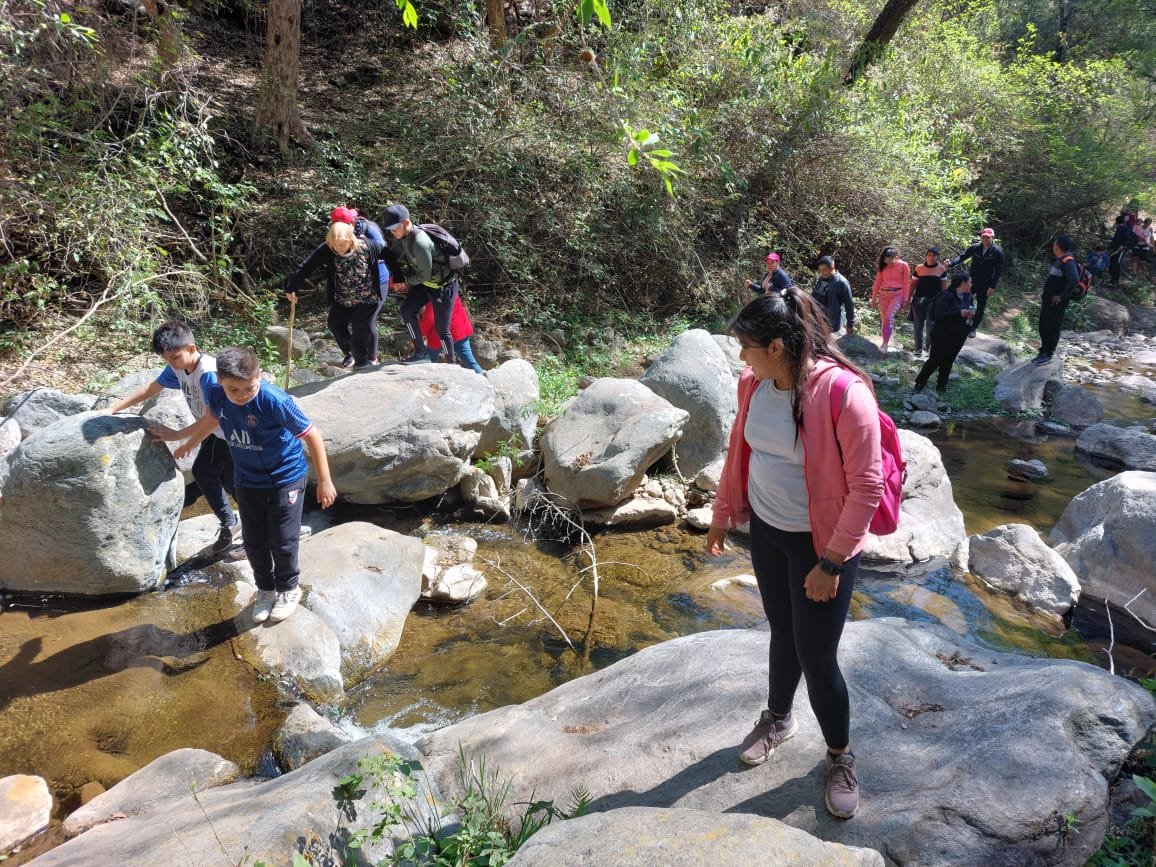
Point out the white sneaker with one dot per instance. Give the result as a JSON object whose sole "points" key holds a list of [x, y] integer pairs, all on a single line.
{"points": [[263, 605], [286, 604]]}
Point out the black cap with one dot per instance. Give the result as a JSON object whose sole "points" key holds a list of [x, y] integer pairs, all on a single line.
{"points": [[934, 250], [395, 215]]}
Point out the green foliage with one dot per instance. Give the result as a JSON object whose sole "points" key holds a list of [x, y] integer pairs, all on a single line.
{"points": [[510, 447], [481, 836]]}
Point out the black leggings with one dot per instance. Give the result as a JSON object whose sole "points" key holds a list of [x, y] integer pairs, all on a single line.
{"points": [[979, 292], [804, 634], [271, 519], [1051, 324], [443, 306], [355, 329]]}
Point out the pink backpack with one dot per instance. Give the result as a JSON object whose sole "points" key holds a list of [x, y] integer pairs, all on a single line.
{"points": [[886, 517]]}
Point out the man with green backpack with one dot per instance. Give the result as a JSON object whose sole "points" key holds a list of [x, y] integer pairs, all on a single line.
{"points": [[430, 260]]}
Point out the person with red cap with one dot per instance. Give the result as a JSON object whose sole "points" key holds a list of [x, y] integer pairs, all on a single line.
{"points": [[364, 228], [353, 288], [986, 268], [775, 280]]}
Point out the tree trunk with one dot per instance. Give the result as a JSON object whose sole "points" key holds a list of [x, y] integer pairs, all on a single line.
{"points": [[496, 22], [1062, 36], [277, 113], [171, 45], [885, 27]]}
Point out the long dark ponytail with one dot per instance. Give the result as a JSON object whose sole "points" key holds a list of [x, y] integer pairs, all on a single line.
{"points": [[797, 319]]}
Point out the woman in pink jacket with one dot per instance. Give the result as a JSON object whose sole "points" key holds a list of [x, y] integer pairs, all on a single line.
{"points": [[891, 291], [809, 489]]}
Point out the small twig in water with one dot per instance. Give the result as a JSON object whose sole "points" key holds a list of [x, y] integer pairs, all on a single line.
{"points": [[530, 595], [1111, 639]]}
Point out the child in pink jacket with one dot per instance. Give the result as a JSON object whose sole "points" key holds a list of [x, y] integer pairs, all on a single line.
{"points": [[891, 291], [809, 490]]}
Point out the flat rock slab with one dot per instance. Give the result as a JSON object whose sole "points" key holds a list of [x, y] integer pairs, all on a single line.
{"points": [[647, 836], [183, 770], [304, 736], [1022, 387], [25, 808], [247, 822], [966, 756], [1129, 448]]}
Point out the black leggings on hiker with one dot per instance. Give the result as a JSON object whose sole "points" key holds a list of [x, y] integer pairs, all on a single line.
{"points": [[443, 306], [804, 634], [355, 330]]}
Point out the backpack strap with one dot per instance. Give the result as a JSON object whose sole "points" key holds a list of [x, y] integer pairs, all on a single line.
{"points": [[839, 394]]}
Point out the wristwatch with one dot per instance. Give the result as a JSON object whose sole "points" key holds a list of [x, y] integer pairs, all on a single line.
{"points": [[830, 567]]}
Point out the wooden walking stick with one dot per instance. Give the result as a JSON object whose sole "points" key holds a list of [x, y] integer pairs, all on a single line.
{"points": [[289, 348]]}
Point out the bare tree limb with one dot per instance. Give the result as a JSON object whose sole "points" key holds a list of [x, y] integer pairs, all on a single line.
{"points": [[1111, 639], [164, 204], [1136, 616]]}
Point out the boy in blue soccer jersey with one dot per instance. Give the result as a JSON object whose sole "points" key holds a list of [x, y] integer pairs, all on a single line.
{"points": [[187, 368], [264, 429]]}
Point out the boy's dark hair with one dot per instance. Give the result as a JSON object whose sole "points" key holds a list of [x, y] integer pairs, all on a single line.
{"points": [[828, 261], [170, 335], [1064, 242], [1099, 248], [237, 362], [958, 280]]}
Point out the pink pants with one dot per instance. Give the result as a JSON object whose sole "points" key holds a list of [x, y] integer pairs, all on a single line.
{"points": [[889, 303]]}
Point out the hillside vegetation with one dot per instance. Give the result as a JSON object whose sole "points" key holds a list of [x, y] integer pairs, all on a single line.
{"points": [[133, 185]]}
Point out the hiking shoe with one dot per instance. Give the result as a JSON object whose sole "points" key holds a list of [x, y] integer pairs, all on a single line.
{"points": [[417, 358], [236, 554], [842, 795], [1041, 360], [286, 604], [767, 734], [365, 365], [917, 390], [263, 605], [971, 334], [347, 362], [227, 536]]}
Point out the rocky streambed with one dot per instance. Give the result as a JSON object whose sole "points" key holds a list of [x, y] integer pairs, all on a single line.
{"points": [[91, 693]]}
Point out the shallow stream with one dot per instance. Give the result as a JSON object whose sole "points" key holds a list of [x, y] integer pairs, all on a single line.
{"points": [[93, 694]]}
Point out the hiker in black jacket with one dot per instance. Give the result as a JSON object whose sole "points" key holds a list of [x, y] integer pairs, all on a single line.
{"points": [[1123, 239], [952, 313], [353, 289], [1058, 287], [986, 268]]}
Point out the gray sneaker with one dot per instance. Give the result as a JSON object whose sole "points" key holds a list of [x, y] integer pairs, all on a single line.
{"points": [[767, 734], [263, 605], [842, 786]]}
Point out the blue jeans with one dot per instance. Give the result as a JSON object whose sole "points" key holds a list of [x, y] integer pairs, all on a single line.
{"points": [[464, 355]]}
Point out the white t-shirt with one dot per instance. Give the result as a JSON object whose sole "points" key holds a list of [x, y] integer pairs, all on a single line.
{"points": [[776, 487], [193, 384]]}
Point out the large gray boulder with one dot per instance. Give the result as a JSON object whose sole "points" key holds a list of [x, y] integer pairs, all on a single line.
{"points": [[247, 822], [930, 524], [1129, 448], [278, 335], [1104, 314], [859, 347], [977, 359], [90, 506], [363, 580], [1106, 535], [399, 433], [1022, 387], [302, 650], [995, 346], [1013, 558], [10, 437], [598, 449], [182, 770], [304, 736], [515, 419], [693, 374], [646, 836], [661, 729], [169, 408], [25, 809], [39, 407], [731, 349], [1076, 407]]}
